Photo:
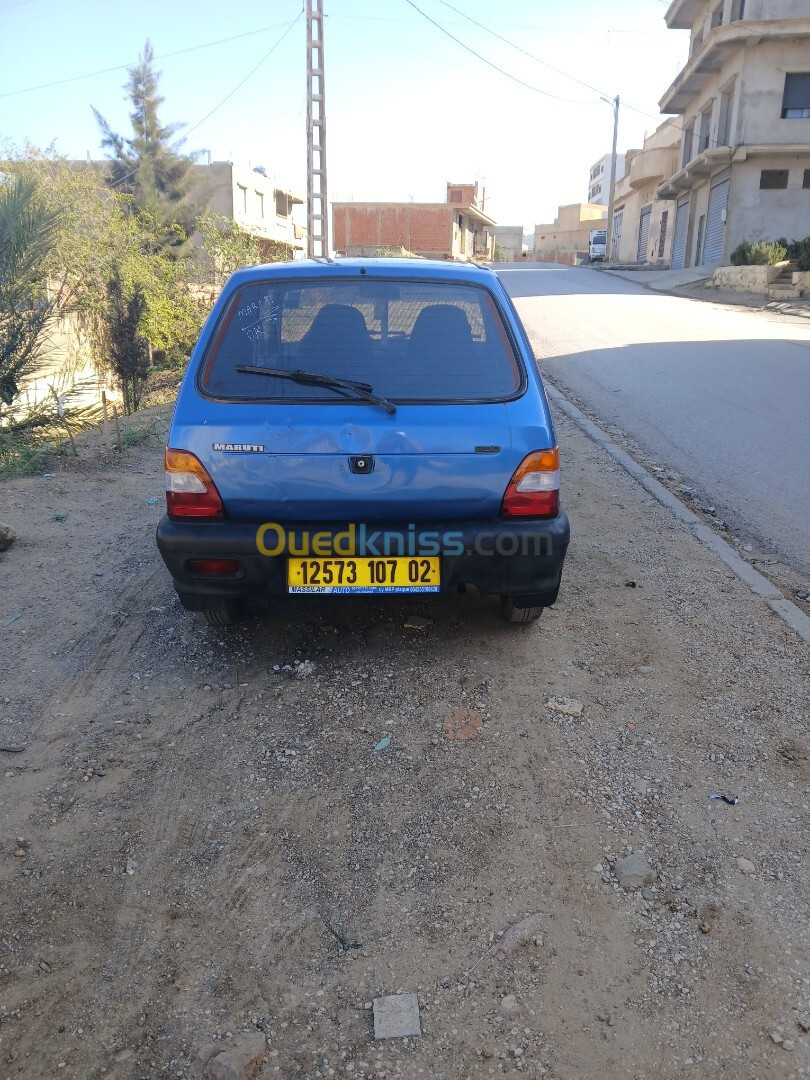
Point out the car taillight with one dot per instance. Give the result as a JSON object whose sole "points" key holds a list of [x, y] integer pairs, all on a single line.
{"points": [[213, 566], [190, 491], [534, 490]]}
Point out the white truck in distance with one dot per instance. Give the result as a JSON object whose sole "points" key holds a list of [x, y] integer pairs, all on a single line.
{"points": [[597, 245]]}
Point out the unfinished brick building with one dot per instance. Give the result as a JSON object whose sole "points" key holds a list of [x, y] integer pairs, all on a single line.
{"points": [[456, 229]]}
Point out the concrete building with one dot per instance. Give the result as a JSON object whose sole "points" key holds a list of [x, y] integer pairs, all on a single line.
{"points": [[567, 237], [599, 178], [510, 243], [744, 98], [642, 222], [256, 201], [455, 229]]}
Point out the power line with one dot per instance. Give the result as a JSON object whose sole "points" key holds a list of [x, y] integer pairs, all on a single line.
{"points": [[603, 95], [252, 71], [579, 31], [489, 63], [238, 86], [124, 67]]}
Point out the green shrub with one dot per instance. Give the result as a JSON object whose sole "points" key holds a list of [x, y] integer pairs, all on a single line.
{"points": [[802, 256], [759, 253], [740, 254]]}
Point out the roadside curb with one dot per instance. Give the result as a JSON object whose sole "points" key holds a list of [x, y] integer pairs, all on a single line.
{"points": [[757, 583]]}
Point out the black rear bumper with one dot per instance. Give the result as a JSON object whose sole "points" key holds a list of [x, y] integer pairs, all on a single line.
{"points": [[519, 558]]}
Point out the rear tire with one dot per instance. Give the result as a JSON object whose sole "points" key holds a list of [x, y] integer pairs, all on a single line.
{"points": [[513, 614], [227, 615]]}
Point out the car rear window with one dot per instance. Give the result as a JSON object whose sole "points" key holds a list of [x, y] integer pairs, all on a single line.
{"points": [[411, 341]]}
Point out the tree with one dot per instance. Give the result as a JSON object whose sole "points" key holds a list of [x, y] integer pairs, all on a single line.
{"points": [[98, 237], [128, 350], [149, 166], [27, 231], [224, 248]]}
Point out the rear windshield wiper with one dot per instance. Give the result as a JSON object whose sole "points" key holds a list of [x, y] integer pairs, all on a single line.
{"points": [[309, 378]]}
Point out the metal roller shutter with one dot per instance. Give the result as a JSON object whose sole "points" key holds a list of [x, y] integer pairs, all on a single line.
{"points": [[643, 233], [679, 236], [716, 219]]}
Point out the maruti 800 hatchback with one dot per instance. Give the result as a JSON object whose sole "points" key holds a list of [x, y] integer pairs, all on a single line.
{"points": [[363, 426]]}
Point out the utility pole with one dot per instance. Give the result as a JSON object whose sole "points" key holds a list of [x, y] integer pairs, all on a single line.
{"points": [[317, 202], [609, 237]]}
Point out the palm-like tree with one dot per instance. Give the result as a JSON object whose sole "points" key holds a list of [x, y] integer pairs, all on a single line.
{"points": [[27, 234]]}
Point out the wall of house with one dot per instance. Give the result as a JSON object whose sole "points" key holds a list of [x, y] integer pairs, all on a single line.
{"points": [[763, 86], [249, 198], [561, 240], [759, 72], [755, 214], [423, 229], [462, 194], [754, 9], [509, 239]]}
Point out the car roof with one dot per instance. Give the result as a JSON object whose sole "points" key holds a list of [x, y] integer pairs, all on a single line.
{"points": [[403, 269]]}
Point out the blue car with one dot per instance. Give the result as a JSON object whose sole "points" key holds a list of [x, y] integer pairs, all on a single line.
{"points": [[363, 426]]}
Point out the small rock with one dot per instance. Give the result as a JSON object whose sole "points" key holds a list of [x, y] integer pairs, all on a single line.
{"points": [[640, 785], [463, 724], [804, 1023], [745, 866], [7, 537], [509, 1004], [20, 853], [705, 928], [633, 871], [788, 1044], [648, 894], [236, 1058], [777, 1037], [566, 706], [396, 1016], [417, 622]]}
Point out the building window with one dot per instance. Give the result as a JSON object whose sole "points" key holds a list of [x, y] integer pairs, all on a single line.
{"points": [[737, 10], [282, 208], [688, 135], [705, 126], [806, 181], [724, 118], [260, 200], [796, 99], [773, 179], [243, 197], [717, 16]]}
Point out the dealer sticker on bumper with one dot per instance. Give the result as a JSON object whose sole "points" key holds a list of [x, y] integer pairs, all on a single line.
{"points": [[399, 575]]}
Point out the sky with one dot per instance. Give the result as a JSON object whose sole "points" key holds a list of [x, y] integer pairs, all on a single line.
{"points": [[407, 107]]}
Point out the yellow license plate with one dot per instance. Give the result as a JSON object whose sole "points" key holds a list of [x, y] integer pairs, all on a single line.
{"points": [[364, 575]]}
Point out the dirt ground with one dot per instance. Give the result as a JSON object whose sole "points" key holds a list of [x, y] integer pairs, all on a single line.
{"points": [[199, 837]]}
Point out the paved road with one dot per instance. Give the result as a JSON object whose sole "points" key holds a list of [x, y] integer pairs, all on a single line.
{"points": [[721, 395]]}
